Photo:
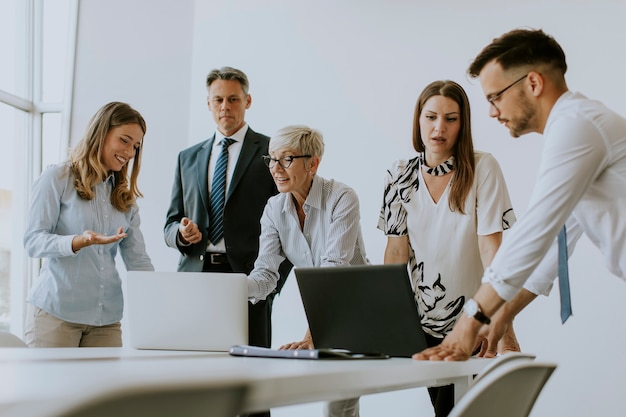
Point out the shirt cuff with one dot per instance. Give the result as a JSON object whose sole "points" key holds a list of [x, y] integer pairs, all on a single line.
{"points": [[254, 290], [65, 246], [505, 290], [539, 286], [179, 242]]}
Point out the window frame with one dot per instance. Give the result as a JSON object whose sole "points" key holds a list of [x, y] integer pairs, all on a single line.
{"points": [[24, 270]]}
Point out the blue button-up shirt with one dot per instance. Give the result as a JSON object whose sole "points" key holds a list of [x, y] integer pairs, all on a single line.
{"points": [[82, 287]]}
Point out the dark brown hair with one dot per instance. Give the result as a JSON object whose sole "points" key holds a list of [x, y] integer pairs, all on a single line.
{"points": [[521, 47], [464, 148]]}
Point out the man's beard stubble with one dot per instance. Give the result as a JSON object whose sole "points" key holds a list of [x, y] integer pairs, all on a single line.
{"points": [[523, 124]]}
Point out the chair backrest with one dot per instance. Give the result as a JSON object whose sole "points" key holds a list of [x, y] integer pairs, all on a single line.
{"points": [[509, 390], [10, 340], [502, 359], [150, 400]]}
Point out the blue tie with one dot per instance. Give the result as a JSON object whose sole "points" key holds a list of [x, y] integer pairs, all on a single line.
{"points": [[566, 302], [218, 194]]}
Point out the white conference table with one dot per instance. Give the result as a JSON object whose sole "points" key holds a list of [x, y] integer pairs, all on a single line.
{"points": [[31, 376]]}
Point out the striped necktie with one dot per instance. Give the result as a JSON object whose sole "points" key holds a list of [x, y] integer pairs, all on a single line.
{"points": [[218, 194], [566, 302]]}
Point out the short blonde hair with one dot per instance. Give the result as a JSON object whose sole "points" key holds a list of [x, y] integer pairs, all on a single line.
{"points": [[303, 138]]}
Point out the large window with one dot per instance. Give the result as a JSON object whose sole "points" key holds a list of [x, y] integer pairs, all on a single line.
{"points": [[37, 44], [13, 123]]}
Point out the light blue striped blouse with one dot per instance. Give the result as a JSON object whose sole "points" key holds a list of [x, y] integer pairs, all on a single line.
{"points": [[82, 287]]}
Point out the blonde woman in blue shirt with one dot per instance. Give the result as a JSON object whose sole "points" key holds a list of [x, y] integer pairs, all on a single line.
{"points": [[82, 212]]}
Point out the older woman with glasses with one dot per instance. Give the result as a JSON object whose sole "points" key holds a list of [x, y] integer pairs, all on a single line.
{"points": [[312, 222]]}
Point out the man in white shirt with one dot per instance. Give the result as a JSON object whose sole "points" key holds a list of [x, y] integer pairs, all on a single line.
{"points": [[581, 181]]}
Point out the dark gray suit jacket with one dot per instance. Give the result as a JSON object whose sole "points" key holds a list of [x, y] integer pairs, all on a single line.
{"points": [[249, 190]]}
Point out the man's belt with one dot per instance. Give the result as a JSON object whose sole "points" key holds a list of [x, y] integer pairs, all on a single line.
{"points": [[217, 258]]}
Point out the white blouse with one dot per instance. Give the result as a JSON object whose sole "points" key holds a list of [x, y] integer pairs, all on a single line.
{"points": [[331, 235], [445, 263]]}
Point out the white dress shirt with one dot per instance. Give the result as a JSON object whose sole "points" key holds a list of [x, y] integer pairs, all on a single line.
{"points": [[331, 234], [233, 155], [581, 179]]}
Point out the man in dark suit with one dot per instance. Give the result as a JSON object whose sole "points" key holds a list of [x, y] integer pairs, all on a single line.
{"points": [[249, 184]]}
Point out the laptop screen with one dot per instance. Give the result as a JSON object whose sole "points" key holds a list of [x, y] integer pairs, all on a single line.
{"points": [[365, 308]]}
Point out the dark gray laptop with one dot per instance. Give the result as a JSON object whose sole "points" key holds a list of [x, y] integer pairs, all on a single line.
{"points": [[368, 308]]}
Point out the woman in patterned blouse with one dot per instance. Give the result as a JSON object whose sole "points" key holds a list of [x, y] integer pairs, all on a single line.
{"points": [[443, 213]]}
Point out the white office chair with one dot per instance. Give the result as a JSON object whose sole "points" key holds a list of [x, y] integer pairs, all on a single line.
{"points": [[152, 400], [501, 360], [510, 390], [10, 340]]}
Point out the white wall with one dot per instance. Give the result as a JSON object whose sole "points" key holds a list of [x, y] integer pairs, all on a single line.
{"points": [[140, 52], [353, 69]]}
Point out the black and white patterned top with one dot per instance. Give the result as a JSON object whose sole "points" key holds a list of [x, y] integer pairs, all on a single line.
{"points": [[445, 262]]}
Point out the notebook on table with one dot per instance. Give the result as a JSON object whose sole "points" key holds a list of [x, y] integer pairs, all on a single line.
{"points": [[368, 308], [187, 310], [261, 352]]}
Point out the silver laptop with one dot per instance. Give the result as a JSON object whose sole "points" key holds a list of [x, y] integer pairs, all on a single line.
{"points": [[187, 310]]}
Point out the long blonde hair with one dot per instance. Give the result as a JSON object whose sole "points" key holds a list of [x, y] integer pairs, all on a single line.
{"points": [[86, 158]]}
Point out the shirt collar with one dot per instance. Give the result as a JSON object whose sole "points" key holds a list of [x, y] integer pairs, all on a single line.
{"points": [[110, 180], [238, 136], [313, 199], [557, 104]]}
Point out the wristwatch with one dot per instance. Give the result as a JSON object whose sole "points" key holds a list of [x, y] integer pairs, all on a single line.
{"points": [[472, 309]]}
